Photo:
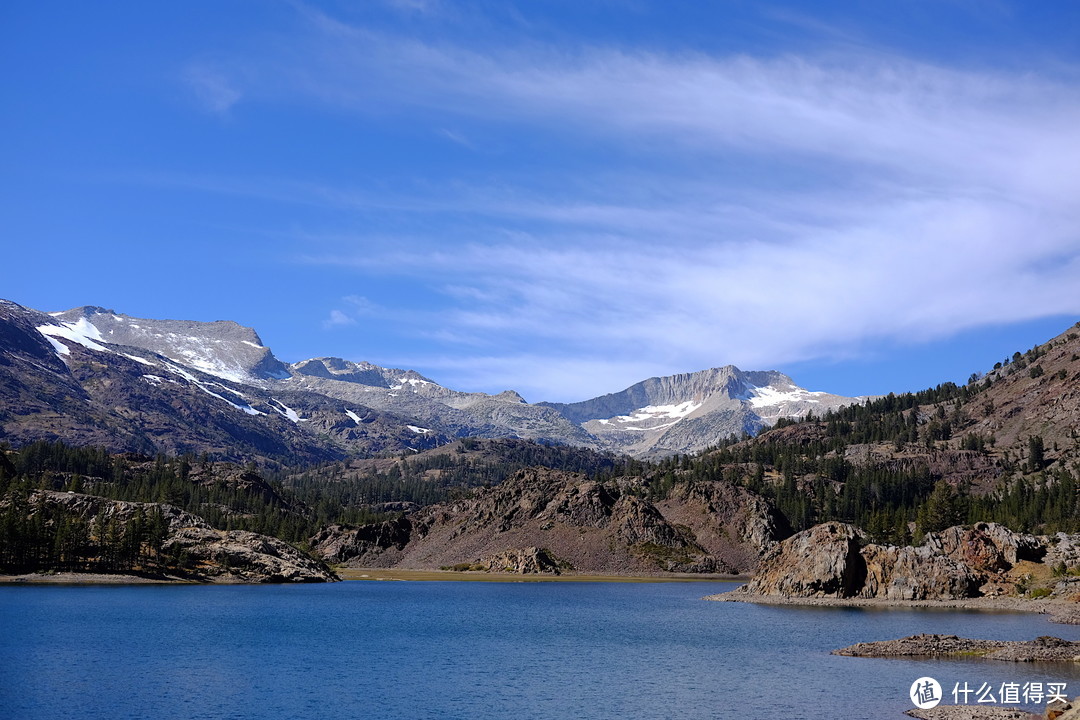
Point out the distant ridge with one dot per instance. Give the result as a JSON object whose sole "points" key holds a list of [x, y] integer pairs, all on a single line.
{"points": [[92, 375]]}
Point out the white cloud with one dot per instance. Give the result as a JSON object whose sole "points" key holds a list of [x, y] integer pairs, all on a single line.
{"points": [[212, 88], [456, 137], [336, 319], [771, 209]]}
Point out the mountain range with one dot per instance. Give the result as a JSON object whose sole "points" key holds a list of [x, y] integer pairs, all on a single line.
{"points": [[94, 376]]}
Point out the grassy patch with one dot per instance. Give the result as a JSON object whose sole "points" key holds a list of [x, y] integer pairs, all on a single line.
{"points": [[465, 567], [663, 555], [450, 575]]}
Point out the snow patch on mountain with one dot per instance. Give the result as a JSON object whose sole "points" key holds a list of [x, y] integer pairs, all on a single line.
{"points": [[138, 359], [760, 397], [414, 382], [82, 332], [284, 410], [58, 347], [221, 348], [354, 416], [203, 386], [655, 412], [197, 354]]}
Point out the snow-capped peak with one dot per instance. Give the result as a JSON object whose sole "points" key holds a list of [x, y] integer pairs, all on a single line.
{"points": [[222, 348]]}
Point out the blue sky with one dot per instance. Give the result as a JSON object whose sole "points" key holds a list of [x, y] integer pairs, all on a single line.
{"points": [[561, 198]]}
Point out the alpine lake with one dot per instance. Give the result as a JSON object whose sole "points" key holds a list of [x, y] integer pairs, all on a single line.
{"points": [[367, 649]]}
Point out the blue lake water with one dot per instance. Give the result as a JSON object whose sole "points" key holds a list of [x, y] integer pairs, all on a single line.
{"points": [[468, 650]]}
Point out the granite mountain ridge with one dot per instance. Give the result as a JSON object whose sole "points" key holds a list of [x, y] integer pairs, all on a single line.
{"points": [[90, 375]]}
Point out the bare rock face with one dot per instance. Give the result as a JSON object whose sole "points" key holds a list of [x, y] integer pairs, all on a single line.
{"points": [[986, 547], [600, 527], [338, 543], [523, 561], [834, 560], [752, 519], [915, 573], [823, 561], [238, 556], [1063, 549], [636, 521]]}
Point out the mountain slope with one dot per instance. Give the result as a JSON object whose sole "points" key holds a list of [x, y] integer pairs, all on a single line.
{"points": [[222, 348], [91, 375], [454, 413], [63, 379], [689, 412], [578, 523]]}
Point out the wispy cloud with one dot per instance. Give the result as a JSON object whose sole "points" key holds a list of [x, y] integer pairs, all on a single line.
{"points": [[351, 310], [337, 319], [456, 137], [213, 89], [755, 210]]}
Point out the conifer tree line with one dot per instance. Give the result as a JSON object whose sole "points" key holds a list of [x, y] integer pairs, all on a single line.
{"points": [[811, 478], [809, 469], [300, 502], [44, 537]]}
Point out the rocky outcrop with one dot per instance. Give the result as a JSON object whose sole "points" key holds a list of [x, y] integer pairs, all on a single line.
{"points": [[731, 510], [915, 573], [1063, 550], [523, 561], [1041, 649], [835, 560], [819, 562], [190, 549], [364, 544], [237, 556], [986, 547], [601, 527]]}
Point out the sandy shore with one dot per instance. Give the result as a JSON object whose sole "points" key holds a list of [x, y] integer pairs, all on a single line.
{"points": [[72, 578], [455, 576], [1060, 611]]}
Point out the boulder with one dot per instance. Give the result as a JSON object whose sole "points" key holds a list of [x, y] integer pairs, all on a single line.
{"points": [[238, 556], [823, 561], [915, 573], [834, 560], [986, 547], [523, 561]]}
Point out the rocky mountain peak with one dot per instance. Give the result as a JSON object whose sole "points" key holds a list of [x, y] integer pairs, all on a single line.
{"points": [[93, 352], [509, 396], [361, 373], [223, 348]]}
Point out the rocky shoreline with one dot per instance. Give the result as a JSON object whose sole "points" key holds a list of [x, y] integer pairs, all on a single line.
{"points": [[1041, 649], [972, 712], [1065, 612], [980, 567], [81, 578]]}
